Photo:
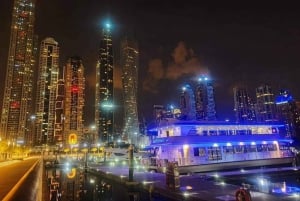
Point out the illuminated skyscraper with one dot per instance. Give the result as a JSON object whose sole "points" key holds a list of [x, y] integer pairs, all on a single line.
{"points": [[129, 64], [204, 100], [265, 106], [243, 106], [17, 99], [74, 83], [287, 111], [46, 91], [104, 117], [59, 112], [187, 103]]}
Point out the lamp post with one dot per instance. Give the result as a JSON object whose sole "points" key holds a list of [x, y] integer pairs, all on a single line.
{"points": [[85, 158], [98, 147], [130, 151]]}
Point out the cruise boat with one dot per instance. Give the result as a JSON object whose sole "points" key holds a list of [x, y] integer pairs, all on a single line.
{"points": [[197, 146]]}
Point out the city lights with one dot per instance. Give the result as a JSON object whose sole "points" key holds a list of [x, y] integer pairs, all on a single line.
{"points": [[105, 116]]}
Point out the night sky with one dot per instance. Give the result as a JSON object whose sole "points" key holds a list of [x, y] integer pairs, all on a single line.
{"points": [[235, 44]]}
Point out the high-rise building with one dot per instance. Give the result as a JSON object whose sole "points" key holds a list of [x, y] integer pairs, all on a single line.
{"points": [[187, 103], [287, 111], [59, 113], [204, 100], [243, 106], [129, 63], [17, 99], [74, 83], [104, 115], [46, 91], [265, 106]]}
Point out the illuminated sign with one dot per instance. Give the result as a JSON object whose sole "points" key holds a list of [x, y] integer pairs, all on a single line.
{"points": [[72, 173], [72, 139]]}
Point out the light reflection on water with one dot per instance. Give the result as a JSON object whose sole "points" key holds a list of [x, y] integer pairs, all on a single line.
{"points": [[279, 183], [67, 183]]}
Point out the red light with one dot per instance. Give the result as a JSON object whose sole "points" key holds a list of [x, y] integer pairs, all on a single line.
{"points": [[24, 14], [15, 105], [74, 89]]}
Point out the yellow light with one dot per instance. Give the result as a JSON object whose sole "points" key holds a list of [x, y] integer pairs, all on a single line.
{"points": [[72, 139], [72, 173]]}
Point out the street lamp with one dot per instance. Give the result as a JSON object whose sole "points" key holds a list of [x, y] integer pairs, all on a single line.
{"points": [[98, 146]]}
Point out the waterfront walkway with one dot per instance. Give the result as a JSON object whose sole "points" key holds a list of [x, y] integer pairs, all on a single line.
{"points": [[198, 187]]}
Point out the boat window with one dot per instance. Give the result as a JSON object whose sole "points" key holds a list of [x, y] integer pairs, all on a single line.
{"points": [[214, 153], [228, 149], [274, 130], [222, 132], [284, 147], [231, 132], [272, 147], [196, 151], [250, 148], [213, 132], [239, 149], [202, 152], [241, 132], [262, 147], [199, 151]]}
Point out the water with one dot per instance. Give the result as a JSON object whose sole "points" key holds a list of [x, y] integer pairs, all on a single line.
{"points": [[74, 183], [280, 181]]}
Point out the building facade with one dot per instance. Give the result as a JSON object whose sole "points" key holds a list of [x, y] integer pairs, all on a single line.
{"points": [[46, 91], [204, 100], [129, 63], [243, 106], [287, 112], [17, 99], [104, 115], [265, 106], [187, 103], [74, 83], [59, 113]]}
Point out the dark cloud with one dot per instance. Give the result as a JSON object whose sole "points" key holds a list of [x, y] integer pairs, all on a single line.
{"points": [[184, 63]]}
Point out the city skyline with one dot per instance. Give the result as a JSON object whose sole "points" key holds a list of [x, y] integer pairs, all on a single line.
{"points": [[248, 45]]}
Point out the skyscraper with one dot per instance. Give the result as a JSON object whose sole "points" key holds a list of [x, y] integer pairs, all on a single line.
{"points": [[46, 91], [129, 64], [19, 73], [74, 83], [204, 100], [265, 106], [243, 106], [287, 111], [187, 103], [104, 117], [59, 112]]}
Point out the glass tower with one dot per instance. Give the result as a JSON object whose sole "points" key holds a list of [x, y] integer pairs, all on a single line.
{"points": [[104, 117], [129, 64], [46, 91], [17, 99]]}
